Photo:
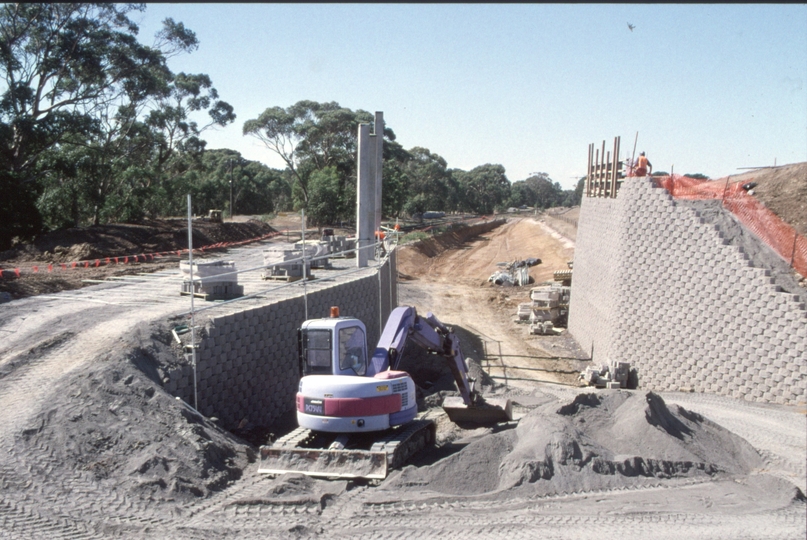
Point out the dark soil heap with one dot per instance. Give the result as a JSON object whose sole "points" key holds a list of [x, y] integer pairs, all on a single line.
{"points": [[113, 427], [605, 440]]}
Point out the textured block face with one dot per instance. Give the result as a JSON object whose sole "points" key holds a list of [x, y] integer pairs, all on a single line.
{"points": [[247, 363], [656, 286]]}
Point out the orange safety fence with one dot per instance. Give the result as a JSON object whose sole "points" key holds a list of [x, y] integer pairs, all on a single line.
{"points": [[17, 271], [769, 227]]}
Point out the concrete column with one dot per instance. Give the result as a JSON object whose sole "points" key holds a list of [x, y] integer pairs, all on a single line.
{"points": [[368, 192], [379, 140]]}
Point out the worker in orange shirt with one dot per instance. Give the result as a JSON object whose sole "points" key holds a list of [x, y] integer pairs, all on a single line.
{"points": [[643, 167]]}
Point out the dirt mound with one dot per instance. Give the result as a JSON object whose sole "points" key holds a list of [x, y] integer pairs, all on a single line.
{"points": [[113, 425], [114, 240], [597, 441], [783, 190]]}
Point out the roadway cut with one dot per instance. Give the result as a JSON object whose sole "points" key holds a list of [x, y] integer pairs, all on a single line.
{"points": [[94, 447]]}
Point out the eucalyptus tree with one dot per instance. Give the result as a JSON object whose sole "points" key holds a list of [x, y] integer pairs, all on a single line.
{"points": [[76, 80], [310, 136], [483, 188]]}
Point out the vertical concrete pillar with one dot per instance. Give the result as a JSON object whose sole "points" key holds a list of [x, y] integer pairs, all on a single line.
{"points": [[368, 189], [379, 141]]}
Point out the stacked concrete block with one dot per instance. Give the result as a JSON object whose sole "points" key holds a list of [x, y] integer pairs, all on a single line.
{"points": [[340, 246], [658, 287], [316, 251], [287, 262], [247, 364], [215, 280]]}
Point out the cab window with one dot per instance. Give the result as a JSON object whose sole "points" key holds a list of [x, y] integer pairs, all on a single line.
{"points": [[352, 350], [317, 352]]}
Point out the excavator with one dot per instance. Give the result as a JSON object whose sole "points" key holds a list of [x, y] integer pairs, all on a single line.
{"points": [[358, 416]]}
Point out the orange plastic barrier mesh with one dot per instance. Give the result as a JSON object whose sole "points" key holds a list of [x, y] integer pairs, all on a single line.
{"points": [[780, 236]]}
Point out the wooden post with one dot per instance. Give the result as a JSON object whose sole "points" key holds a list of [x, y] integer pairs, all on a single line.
{"points": [[596, 172], [602, 186], [618, 165], [588, 170]]}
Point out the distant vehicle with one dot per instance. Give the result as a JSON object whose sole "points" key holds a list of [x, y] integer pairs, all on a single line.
{"points": [[512, 210], [433, 215]]}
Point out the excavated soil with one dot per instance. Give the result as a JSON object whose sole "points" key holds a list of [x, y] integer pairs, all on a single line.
{"points": [[453, 283], [116, 240], [783, 190], [597, 441]]}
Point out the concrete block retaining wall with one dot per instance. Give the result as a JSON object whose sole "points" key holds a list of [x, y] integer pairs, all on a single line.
{"points": [[247, 363], [656, 286]]}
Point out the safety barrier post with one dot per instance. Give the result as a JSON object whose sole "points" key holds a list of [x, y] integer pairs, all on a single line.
{"points": [[193, 293]]}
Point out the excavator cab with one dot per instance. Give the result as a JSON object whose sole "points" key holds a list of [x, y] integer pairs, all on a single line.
{"points": [[334, 346]]}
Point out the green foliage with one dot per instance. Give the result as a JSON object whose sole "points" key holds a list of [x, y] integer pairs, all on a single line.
{"points": [[20, 217], [540, 192], [325, 204], [309, 137], [697, 176], [94, 126], [483, 188], [395, 179], [429, 182], [413, 237]]}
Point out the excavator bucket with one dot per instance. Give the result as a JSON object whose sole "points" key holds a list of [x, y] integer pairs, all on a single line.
{"points": [[326, 463], [491, 411]]}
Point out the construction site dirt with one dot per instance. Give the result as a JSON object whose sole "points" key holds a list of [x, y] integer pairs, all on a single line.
{"points": [[94, 447]]}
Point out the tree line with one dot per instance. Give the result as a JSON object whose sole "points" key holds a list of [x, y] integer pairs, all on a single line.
{"points": [[95, 128]]}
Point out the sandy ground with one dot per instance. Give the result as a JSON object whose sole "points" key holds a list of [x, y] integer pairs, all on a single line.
{"points": [[92, 447], [454, 285]]}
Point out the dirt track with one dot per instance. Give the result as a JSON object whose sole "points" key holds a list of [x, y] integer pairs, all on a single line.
{"points": [[454, 285], [92, 447]]}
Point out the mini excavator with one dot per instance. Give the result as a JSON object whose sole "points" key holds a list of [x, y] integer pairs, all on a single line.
{"points": [[358, 417]]}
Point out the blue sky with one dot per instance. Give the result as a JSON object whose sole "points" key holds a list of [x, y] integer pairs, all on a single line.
{"points": [[709, 88]]}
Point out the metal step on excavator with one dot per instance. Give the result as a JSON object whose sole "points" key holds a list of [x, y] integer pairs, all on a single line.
{"points": [[358, 417]]}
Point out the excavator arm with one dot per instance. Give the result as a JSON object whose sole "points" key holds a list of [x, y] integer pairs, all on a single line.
{"points": [[428, 332]]}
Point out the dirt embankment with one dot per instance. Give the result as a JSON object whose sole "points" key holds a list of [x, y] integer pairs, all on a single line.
{"points": [[453, 283], [69, 246], [783, 190], [431, 247]]}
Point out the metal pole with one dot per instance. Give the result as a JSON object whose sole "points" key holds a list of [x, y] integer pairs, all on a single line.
{"points": [[793, 252], [305, 266], [633, 157], [380, 301], [504, 367], [193, 293], [391, 283], [231, 191]]}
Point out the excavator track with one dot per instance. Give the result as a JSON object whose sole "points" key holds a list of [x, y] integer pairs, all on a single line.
{"points": [[403, 443], [306, 451]]}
